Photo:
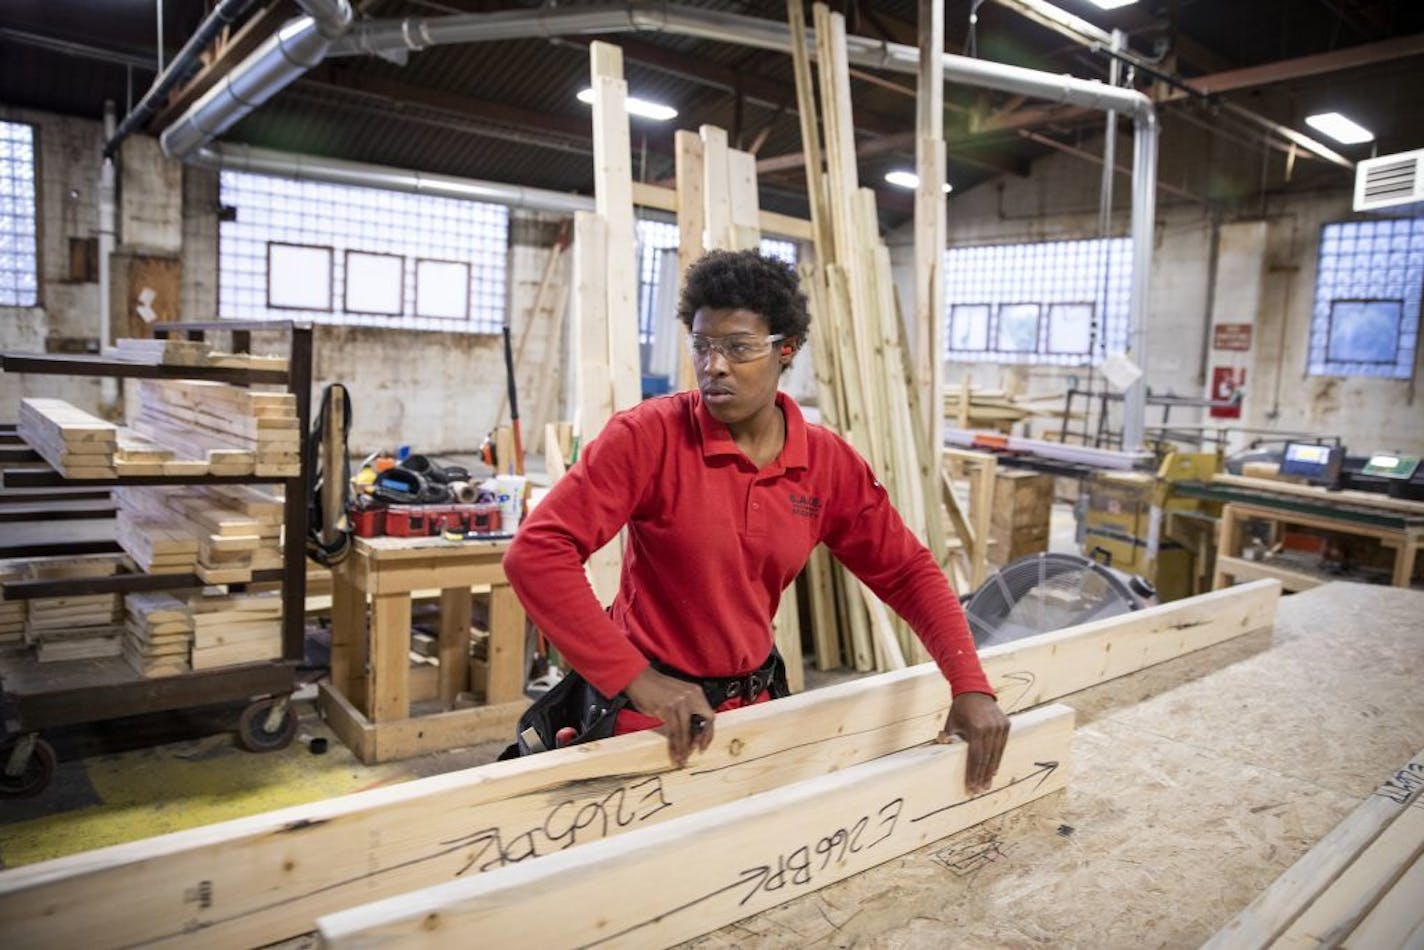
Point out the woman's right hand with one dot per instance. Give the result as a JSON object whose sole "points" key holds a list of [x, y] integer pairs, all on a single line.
{"points": [[675, 702]]}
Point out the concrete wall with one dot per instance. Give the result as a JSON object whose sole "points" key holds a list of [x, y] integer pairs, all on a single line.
{"points": [[1058, 200], [439, 392]]}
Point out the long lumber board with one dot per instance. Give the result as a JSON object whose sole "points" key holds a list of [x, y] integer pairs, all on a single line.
{"points": [[1292, 895], [748, 856], [268, 877]]}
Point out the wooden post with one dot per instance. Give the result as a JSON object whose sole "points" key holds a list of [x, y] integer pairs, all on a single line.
{"points": [[691, 224], [930, 223], [390, 657], [454, 644], [613, 200]]}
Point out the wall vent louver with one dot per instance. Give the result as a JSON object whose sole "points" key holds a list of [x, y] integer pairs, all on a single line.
{"points": [[1390, 181]]}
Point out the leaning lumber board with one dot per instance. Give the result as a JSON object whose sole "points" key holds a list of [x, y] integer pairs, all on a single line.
{"points": [[271, 875], [1348, 900], [749, 857], [1273, 912], [1398, 919]]}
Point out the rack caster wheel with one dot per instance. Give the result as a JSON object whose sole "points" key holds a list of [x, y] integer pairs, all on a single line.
{"points": [[34, 771], [256, 732]]}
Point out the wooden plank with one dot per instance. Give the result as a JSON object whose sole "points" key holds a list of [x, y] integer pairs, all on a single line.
{"points": [[745, 234], [1321, 495], [770, 222], [506, 646], [454, 643], [749, 856], [1273, 912], [716, 194], [613, 201], [270, 875], [1398, 919], [691, 225], [390, 664], [930, 221], [1342, 906]]}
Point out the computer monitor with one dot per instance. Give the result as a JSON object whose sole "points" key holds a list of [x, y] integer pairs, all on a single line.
{"points": [[1316, 463]]}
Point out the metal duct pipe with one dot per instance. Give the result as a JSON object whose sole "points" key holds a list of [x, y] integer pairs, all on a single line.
{"points": [[288, 54], [263, 161], [184, 65], [417, 33], [1144, 212]]}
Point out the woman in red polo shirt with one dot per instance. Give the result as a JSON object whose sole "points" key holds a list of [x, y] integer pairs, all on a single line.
{"points": [[725, 491]]}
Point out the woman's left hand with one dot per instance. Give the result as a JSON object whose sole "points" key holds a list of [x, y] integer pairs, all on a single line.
{"points": [[977, 719]]}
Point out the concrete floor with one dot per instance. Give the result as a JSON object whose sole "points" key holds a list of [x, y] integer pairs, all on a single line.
{"points": [[130, 779]]}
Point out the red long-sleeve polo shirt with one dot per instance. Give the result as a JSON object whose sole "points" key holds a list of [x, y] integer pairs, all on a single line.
{"points": [[712, 543]]}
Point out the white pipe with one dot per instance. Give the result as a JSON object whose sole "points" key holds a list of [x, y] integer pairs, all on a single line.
{"points": [[1144, 212], [263, 161], [108, 226], [417, 33]]}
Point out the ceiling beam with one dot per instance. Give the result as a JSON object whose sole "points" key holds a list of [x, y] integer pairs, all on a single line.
{"points": [[1352, 57]]}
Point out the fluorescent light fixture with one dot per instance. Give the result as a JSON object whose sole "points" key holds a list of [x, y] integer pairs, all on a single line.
{"points": [[908, 180], [1111, 4], [1339, 128], [642, 107]]}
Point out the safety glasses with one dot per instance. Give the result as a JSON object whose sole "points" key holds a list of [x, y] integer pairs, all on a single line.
{"points": [[735, 347]]}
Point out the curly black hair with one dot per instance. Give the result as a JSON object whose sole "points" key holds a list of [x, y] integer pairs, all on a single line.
{"points": [[746, 280]]}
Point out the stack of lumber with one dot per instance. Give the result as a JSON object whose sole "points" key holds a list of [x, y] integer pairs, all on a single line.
{"points": [[154, 352], [12, 612], [1360, 886], [222, 534], [247, 361], [158, 634], [238, 431], [137, 455], [970, 408], [236, 628], [74, 443], [75, 626], [865, 376]]}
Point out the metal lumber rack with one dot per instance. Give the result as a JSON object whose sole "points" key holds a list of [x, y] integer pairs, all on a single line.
{"points": [[36, 696]]}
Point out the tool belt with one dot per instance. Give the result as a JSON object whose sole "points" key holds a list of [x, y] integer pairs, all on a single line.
{"points": [[771, 675], [574, 701]]}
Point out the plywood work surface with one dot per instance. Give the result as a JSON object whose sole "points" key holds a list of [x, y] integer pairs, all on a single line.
{"points": [[1193, 786]]}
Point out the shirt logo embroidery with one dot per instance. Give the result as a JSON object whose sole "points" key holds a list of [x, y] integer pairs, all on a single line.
{"points": [[805, 506]]}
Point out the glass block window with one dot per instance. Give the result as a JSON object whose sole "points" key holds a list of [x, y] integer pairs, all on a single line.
{"points": [[1063, 302], [371, 257], [1367, 298], [19, 249], [658, 237]]}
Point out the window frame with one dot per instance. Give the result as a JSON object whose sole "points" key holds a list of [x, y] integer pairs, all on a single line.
{"points": [[1092, 306], [346, 306], [37, 167], [330, 276], [415, 301], [998, 327]]}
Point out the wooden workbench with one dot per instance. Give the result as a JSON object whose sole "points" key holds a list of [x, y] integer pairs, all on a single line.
{"points": [[1194, 784], [368, 699]]}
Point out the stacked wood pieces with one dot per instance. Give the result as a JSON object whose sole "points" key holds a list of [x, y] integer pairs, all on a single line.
{"points": [[74, 443], [1360, 886], [76, 626], [239, 431], [866, 380], [156, 352], [236, 628], [970, 408], [171, 352], [12, 612], [1019, 522], [158, 634], [137, 455], [221, 533]]}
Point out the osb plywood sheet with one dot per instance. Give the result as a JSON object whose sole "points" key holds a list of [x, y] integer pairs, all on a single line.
{"points": [[1194, 785]]}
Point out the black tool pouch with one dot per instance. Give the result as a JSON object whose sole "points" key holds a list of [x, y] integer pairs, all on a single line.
{"points": [[572, 701]]}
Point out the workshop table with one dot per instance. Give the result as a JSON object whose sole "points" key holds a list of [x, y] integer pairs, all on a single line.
{"points": [[1192, 786], [368, 701]]}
